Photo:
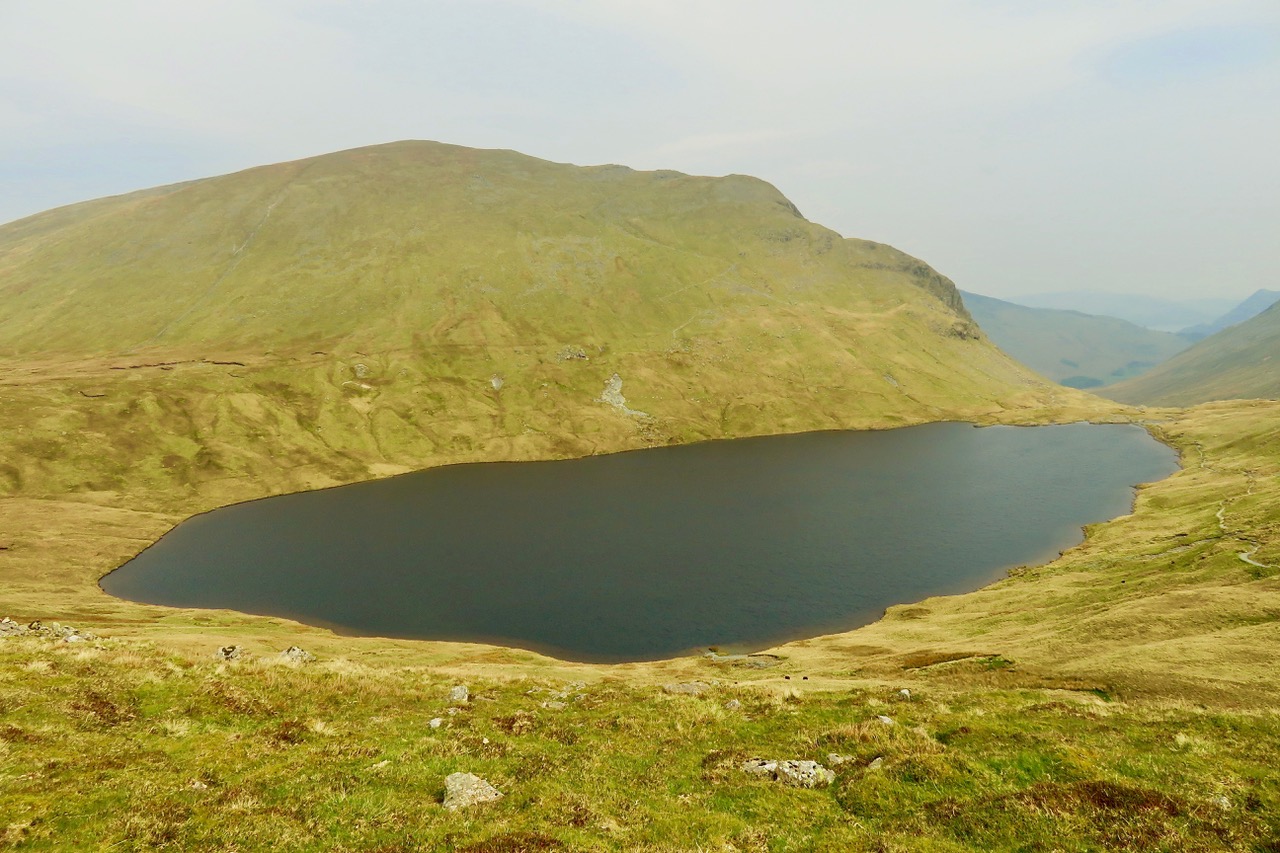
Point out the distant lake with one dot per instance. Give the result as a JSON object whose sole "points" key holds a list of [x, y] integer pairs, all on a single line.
{"points": [[652, 553]]}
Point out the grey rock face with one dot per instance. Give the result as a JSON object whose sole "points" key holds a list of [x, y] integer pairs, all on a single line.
{"points": [[293, 654], [459, 695], [462, 790], [613, 396], [798, 774], [760, 767]]}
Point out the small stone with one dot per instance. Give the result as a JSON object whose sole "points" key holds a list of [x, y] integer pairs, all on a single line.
{"points": [[733, 705], [459, 695], [554, 705], [688, 688], [496, 381], [836, 759], [462, 790], [435, 722], [876, 763], [569, 353], [293, 654], [73, 638], [228, 653], [904, 693], [380, 765], [886, 720], [197, 785]]}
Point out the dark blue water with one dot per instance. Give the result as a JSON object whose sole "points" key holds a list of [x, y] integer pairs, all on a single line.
{"points": [[653, 553]]}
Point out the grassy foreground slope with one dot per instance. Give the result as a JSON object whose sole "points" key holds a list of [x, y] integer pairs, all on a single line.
{"points": [[1077, 350], [1240, 362]]}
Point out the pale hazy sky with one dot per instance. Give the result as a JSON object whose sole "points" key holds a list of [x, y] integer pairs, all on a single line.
{"points": [[1018, 146]]}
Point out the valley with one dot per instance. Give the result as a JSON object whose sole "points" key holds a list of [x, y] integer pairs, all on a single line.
{"points": [[402, 307]]}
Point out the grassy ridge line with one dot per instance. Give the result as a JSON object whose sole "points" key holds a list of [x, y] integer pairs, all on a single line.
{"points": [[419, 244]]}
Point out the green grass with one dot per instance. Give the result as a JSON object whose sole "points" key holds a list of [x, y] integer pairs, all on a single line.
{"points": [[122, 744]]}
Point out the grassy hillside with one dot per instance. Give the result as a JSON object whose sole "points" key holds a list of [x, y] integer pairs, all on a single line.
{"points": [[1077, 350], [1240, 362], [420, 245], [416, 303]]}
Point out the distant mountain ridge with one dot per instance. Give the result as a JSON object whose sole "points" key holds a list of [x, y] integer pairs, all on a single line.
{"points": [[1239, 362], [1075, 349], [1152, 312], [1260, 301]]}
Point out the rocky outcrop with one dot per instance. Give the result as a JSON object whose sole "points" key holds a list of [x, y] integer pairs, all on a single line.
{"points": [[52, 631], [612, 395], [228, 653], [293, 654], [796, 773], [462, 790]]}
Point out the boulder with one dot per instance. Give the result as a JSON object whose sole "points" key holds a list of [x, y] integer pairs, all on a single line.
{"points": [[462, 790], [293, 654], [804, 774], [796, 773], [228, 653], [9, 628]]}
